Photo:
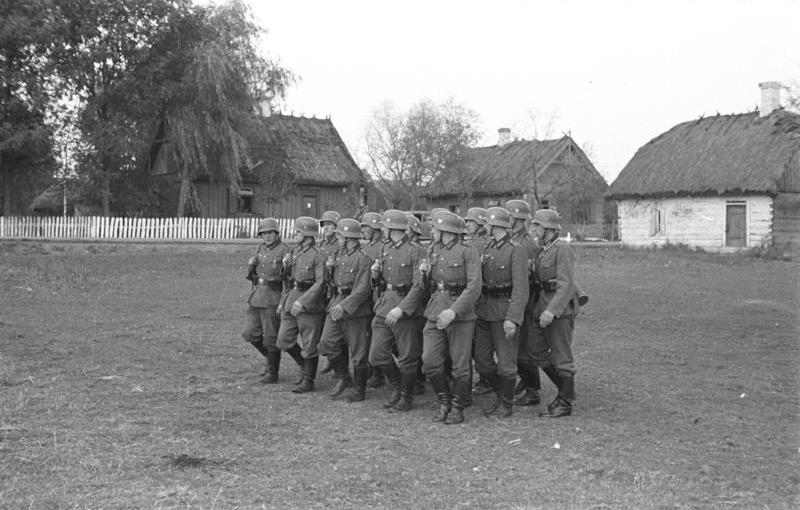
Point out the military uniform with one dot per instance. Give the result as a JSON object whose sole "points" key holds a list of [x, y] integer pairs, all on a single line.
{"points": [[305, 269], [559, 295], [504, 296], [349, 280], [454, 280], [261, 319], [400, 286]]}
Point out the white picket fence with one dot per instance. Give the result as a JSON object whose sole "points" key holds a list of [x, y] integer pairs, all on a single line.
{"points": [[100, 227]]}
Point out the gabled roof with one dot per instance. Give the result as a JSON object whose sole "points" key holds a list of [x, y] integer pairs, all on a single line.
{"points": [[309, 148], [741, 153], [498, 169]]}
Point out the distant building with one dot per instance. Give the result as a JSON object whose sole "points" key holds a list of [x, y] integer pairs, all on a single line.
{"points": [[724, 183], [558, 171], [301, 166]]}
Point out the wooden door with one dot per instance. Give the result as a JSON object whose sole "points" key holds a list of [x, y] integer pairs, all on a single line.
{"points": [[736, 225], [310, 206]]}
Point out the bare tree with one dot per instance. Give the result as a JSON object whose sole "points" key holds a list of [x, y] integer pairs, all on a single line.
{"points": [[407, 150]]}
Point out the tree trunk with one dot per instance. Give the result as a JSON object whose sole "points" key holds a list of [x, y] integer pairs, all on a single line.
{"points": [[183, 196], [105, 194], [6, 174]]}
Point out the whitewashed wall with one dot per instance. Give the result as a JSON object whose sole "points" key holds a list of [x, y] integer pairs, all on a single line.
{"points": [[697, 222]]}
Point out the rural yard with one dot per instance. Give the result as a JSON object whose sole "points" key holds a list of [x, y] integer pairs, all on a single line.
{"points": [[124, 383]]}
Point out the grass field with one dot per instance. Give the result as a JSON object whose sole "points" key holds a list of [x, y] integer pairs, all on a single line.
{"points": [[124, 383]]}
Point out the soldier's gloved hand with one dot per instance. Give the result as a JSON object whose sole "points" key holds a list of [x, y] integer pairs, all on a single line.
{"points": [[546, 318], [509, 328], [297, 308], [445, 318], [279, 310], [376, 268], [337, 312], [251, 261], [393, 316]]}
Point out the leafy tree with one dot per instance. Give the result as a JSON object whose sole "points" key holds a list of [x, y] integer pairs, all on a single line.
{"points": [[407, 150], [26, 43]]}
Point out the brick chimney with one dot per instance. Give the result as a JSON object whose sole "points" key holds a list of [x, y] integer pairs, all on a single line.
{"points": [[770, 97], [503, 136]]}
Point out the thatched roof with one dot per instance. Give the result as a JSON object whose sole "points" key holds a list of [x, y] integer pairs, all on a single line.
{"points": [[498, 170], [309, 148], [51, 200], [717, 155]]}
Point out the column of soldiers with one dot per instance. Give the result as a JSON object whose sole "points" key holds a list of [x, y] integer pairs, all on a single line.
{"points": [[495, 288]]}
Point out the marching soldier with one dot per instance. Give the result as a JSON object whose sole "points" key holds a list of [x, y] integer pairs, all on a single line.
{"points": [[302, 308], [453, 275], [475, 234], [500, 310], [414, 235], [397, 311], [327, 246], [347, 323], [555, 309], [372, 230], [261, 318], [528, 390]]}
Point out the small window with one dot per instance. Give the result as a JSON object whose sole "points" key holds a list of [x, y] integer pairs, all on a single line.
{"points": [[245, 200], [545, 204], [455, 208], [362, 193], [656, 222]]}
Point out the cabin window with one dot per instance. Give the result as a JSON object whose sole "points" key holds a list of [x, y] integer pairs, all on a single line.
{"points": [[656, 222], [492, 203], [545, 204], [362, 193], [455, 208]]}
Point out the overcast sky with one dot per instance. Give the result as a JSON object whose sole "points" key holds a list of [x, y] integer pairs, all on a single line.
{"points": [[614, 74]]}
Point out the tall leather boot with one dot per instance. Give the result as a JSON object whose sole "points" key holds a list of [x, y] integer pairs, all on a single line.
{"points": [[393, 375], [273, 365], [467, 400], [296, 354], [442, 390], [407, 380], [342, 372], [419, 387], [494, 381], [506, 395], [309, 374], [263, 351], [562, 405], [461, 388], [359, 391], [533, 385], [376, 377]]}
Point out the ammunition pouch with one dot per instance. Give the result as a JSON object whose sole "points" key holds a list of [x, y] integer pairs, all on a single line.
{"points": [[548, 285], [454, 289], [341, 291], [502, 291], [401, 289], [302, 285]]}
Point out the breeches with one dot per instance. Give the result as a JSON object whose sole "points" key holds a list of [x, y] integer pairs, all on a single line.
{"points": [[490, 339], [556, 340], [303, 330], [352, 334], [404, 336], [261, 327], [455, 339]]}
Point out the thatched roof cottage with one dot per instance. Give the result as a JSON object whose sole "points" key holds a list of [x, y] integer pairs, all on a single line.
{"points": [[722, 183]]}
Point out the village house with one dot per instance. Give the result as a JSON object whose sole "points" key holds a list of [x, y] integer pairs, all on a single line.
{"points": [[556, 172], [722, 183], [301, 167]]}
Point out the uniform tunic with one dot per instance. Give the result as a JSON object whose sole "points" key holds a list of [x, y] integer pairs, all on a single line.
{"points": [[479, 241], [350, 283], [555, 271], [504, 297], [261, 318], [530, 354], [306, 270], [400, 285], [454, 280]]}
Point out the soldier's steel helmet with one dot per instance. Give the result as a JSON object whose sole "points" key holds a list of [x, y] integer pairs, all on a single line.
{"points": [[268, 225], [547, 218], [476, 214], [414, 224], [395, 220], [307, 226], [371, 219], [519, 209], [331, 216], [498, 217], [447, 221], [349, 227]]}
